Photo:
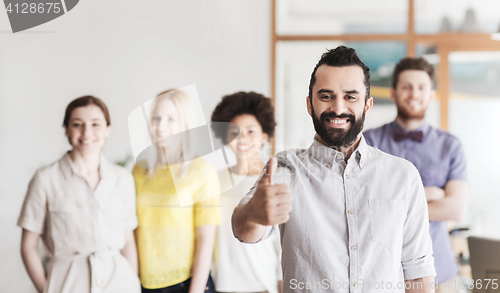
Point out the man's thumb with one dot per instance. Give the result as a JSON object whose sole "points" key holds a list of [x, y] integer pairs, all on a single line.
{"points": [[272, 165]]}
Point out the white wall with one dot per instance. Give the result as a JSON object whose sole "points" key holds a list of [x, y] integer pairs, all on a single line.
{"points": [[124, 52]]}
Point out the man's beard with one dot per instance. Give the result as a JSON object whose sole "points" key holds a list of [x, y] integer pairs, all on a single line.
{"points": [[406, 115], [336, 137]]}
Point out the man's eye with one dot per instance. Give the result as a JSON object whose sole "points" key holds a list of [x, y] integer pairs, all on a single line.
{"points": [[156, 118], [76, 125], [96, 124], [351, 97], [326, 97], [234, 133]]}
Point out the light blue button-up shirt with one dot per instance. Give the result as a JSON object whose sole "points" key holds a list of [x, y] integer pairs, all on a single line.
{"points": [[360, 226]]}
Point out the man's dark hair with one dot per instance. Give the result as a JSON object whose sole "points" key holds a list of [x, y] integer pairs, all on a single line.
{"points": [[244, 103], [409, 63], [340, 57]]}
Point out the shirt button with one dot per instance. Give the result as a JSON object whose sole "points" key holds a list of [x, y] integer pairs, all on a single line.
{"points": [[350, 212], [338, 156], [328, 165], [346, 176], [354, 284], [353, 247]]}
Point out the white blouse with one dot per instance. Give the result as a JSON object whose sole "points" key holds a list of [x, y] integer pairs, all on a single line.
{"points": [[241, 267]]}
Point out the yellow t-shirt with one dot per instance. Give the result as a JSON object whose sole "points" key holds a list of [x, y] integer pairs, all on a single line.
{"points": [[166, 231]]}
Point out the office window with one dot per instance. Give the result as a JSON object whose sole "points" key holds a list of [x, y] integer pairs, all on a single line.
{"points": [[453, 35], [456, 16], [295, 63], [474, 118], [337, 17]]}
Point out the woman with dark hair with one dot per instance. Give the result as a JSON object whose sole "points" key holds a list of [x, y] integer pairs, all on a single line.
{"points": [[83, 208], [241, 267]]}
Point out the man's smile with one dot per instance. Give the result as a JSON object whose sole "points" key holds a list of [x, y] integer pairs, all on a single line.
{"points": [[338, 122]]}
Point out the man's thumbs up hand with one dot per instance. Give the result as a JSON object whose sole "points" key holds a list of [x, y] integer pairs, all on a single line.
{"points": [[271, 204], [267, 178]]}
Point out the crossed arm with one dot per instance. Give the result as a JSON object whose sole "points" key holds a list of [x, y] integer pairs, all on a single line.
{"points": [[448, 204]]}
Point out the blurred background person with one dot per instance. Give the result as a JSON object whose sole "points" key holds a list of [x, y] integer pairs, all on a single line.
{"points": [[438, 156], [83, 208], [241, 267], [175, 242]]}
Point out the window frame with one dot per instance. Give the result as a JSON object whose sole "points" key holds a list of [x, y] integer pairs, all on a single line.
{"points": [[445, 43]]}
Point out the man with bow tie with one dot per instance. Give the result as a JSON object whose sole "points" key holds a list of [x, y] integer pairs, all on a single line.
{"points": [[437, 155]]}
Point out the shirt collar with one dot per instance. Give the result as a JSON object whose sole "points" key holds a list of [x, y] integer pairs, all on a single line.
{"points": [[69, 168], [424, 128], [325, 154]]}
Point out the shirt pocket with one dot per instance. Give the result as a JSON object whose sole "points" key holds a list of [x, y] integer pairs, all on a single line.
{"points": [[62, 212], [387, 218]]}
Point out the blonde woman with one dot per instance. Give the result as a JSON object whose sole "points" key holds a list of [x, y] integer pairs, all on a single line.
{"points": [[177, 203], [83, 209]]}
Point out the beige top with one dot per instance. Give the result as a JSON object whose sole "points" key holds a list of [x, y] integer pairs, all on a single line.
{"points": [[82, 229]]}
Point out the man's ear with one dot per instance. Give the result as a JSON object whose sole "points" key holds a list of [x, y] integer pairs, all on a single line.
{"points": [[308, 102], [393, 94], [368, 106], [433, 95]]}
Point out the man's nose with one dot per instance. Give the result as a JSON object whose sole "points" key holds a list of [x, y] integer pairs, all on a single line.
{"points": [[415, 92], [338, 106]]}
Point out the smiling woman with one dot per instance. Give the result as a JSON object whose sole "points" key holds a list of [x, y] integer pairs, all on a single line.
{"points": [[83, 208], [244, 121], [86, 114]]}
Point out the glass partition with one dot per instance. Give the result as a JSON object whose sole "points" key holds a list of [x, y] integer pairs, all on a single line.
{"points": [[456, 16], [474, 109], [294, 64], [337, 17]]}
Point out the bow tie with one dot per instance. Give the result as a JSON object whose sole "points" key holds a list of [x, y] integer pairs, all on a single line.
{"points": [[400, 135]]}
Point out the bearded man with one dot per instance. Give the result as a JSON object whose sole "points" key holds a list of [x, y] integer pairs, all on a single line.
{"points": [[358, 221]]}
